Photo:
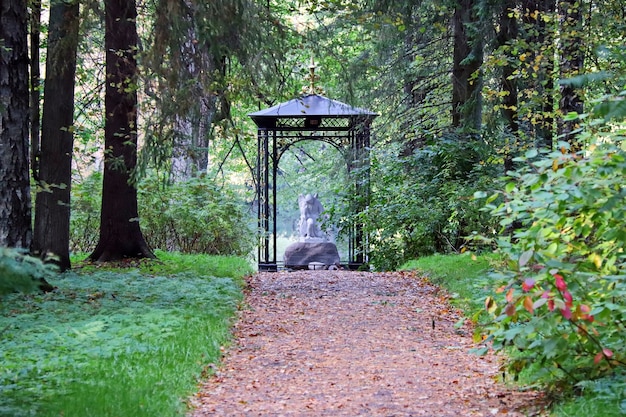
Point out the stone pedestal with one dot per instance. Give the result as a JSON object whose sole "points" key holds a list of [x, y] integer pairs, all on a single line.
{"points": [[300, 254]]}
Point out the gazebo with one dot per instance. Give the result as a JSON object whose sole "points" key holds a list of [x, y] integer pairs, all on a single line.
{"points": [[311, 116]]}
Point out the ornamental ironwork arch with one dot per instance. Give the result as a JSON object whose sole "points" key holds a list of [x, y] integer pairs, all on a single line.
{"points": [[318, 118]]}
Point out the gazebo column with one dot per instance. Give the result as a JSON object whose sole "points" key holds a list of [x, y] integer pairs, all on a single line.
{"points": [[360, 142], [266, 199]]}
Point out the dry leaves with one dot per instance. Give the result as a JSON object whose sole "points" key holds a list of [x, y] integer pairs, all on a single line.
{"points": [[340, 343]]}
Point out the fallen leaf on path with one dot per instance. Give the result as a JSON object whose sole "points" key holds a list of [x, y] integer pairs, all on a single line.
{"points": [[366, 348]]}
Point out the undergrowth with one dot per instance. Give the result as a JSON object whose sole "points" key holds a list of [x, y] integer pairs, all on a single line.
{"points": [[117, 342], [467, 277], [21, 272]]}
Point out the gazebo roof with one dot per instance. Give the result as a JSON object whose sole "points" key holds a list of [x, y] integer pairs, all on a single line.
{"points": [[310, 105]]}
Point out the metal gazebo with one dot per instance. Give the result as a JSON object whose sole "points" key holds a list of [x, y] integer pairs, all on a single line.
{"points": [[311, 117]]}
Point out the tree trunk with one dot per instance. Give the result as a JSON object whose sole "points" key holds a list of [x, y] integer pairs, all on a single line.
{"points": [[572, 59], [52, 207], [120, 235], [190, 156], [508, 32], [15, 204], [467, 60], [192, 96], [540, 40], [35, 81]]}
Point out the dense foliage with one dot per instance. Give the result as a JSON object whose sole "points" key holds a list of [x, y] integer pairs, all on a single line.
{"points": [[193, 216], [562, 302], [423, 202], [468, 281]]}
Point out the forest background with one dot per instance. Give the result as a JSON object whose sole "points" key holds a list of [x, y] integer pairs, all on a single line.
{"points": [[501, 126]]}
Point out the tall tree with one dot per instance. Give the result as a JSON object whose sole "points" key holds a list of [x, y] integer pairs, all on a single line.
{"points": [[15, 203], [467, 60], [198, 56], [571, 64], [120, 234], [193, 75], [507, 34], [35, 81], [191, 55], [52, 206], [538, 32]]}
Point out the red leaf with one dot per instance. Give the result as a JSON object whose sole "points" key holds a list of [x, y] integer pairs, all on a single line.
{"points": [[606, 353], [567, 296], [560, 282], [567, 313], [551, 304], [528, 284], [598, 358]]}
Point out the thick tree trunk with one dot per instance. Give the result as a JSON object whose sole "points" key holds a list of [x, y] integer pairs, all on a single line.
{"points": [[190, 156], [52, 207], [467, 60], [572, 60], [15, 204], [192, 99], [120, 235]]}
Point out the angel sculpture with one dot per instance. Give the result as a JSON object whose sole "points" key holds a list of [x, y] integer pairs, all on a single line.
{"points": [[310, 210]]}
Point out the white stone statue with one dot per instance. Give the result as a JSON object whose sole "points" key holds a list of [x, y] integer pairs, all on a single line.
{"points": [[314, 249], [310, 210]]}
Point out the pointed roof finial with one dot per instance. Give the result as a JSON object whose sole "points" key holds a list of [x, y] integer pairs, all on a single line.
{"points": [[312, 78]]}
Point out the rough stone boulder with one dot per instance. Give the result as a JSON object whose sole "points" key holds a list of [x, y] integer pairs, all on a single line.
{"points": [[300, 254]]}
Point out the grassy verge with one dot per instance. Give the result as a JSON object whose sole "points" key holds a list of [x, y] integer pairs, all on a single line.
{"points": [[462, 275], [465, 278], [117, 342]]}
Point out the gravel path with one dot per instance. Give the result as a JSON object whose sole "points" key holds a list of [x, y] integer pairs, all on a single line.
{"points": [[340, 343]]}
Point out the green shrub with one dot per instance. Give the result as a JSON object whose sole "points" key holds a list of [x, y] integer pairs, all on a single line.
{"points": [[422, 204], [21, 272], [85, 217], [562, 303], [195, 216]]}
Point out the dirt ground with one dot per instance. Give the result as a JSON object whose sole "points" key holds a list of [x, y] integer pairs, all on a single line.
{"points": [[341, 343]]}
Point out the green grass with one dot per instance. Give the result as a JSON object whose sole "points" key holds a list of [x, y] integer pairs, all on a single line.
{"points": [[118, 342], [465, 277], [604, 397]]}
